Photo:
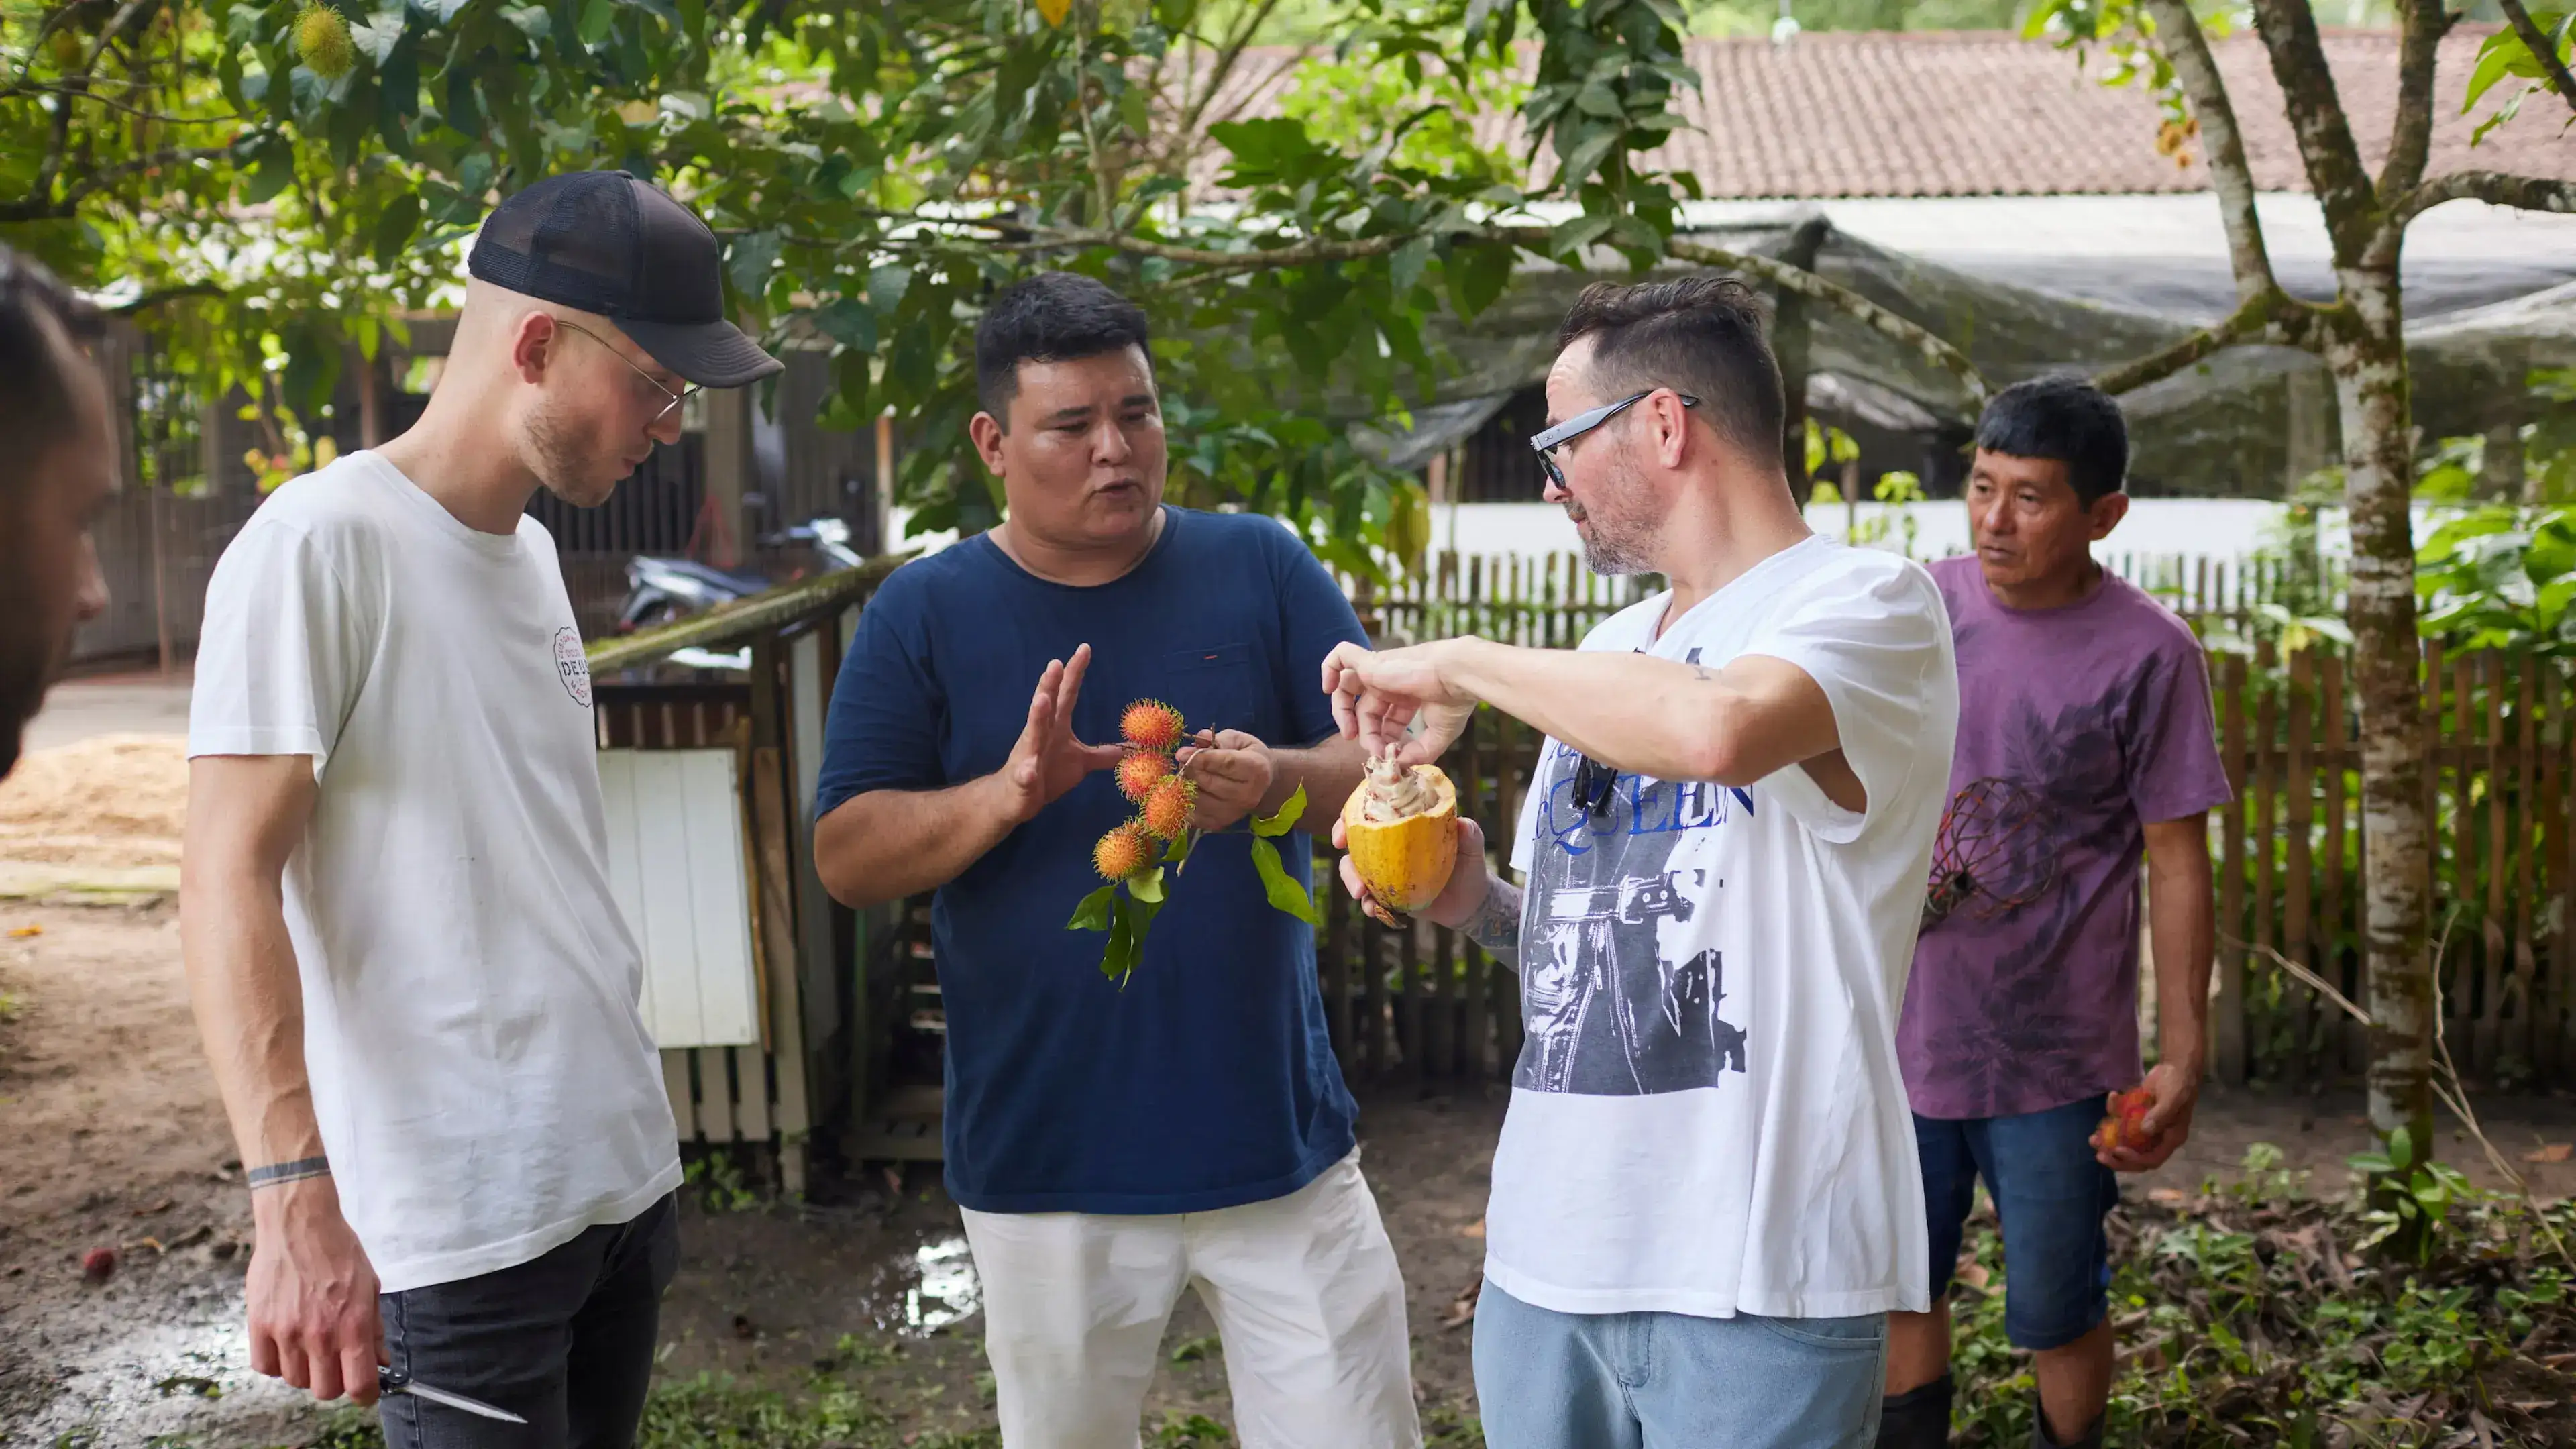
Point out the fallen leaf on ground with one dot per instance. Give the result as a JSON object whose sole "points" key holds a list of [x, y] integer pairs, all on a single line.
{"points": [[1476, 1229], [1462, 1309], [2553, 1152], [20, 933], [2168, 1196], [1974, 1275], [162, 1206]]}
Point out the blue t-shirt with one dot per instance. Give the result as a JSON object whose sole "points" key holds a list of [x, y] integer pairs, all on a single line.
{"points": [[1209, 1081]]}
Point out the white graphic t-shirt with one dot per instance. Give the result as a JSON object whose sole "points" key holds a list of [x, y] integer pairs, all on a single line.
{"points": [[480, 1068], [1707, 1115]]}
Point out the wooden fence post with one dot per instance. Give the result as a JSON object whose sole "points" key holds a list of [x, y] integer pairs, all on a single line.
{"points": [[2227, 1007]]}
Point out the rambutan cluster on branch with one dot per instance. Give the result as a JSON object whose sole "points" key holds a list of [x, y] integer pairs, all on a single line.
{"points": [[1134, 855]]}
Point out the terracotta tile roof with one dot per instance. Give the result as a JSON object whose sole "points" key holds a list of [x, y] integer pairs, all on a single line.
{"points": [[1982, 113]]}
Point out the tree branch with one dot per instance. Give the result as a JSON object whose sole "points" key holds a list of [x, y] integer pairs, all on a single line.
{"points": [[2529, 193], [2333, 162], [160, 295], [2272, 316], [1842, 299], [2421, 26], [1295, 254], [40, 205], [2186, 45], [2536, 40]]}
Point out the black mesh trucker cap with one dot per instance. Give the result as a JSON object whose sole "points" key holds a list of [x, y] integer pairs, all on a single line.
{"points": [[604, 242]]}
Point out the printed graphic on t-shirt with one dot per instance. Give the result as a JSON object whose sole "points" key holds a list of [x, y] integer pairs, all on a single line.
{"points": [[1611, 1009], [2048, 824], [572, 665]]}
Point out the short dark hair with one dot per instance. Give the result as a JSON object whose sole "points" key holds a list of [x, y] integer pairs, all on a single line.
{"points": [[2067, 419], [1706, 336], [1051, 317], [36, 309]]}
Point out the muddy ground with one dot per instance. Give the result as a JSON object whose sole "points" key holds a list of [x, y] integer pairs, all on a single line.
{"points": [[114, 1138]]}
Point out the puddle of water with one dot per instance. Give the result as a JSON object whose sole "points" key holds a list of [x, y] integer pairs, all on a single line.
{"points": [[948, 1289], [184, 1380], [920, 1290]]}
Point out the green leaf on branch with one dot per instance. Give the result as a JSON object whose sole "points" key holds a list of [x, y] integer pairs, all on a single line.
{"points": [[597, 18], [377, 36], [1285, 818], [1118, 961], [1147, 887], [1093, 913], [1282, 889]]}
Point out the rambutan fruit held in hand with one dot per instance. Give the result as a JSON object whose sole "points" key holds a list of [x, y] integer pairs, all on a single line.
{"points": [[1150, 724], [1167, 808], [1140, 771], [1122, 853]]}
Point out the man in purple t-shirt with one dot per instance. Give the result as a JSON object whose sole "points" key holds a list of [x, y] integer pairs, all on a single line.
{"points": [[2085, 740]]}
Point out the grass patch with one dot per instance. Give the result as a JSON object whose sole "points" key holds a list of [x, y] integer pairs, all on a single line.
{"points": [[2247, 1314]]}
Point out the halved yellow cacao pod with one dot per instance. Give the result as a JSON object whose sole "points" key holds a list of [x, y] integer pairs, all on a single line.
{"points": [[1404, 863]]}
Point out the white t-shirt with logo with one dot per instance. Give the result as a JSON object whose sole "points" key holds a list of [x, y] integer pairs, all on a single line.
{"points": [[480, 1068], [1707, 1116]]}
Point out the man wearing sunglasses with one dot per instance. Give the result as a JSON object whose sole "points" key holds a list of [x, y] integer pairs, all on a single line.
{"points": [[412, 978], [1706, 1198]]}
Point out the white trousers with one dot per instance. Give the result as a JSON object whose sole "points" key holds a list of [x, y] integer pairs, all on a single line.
{"points": [[1305, 1291]]}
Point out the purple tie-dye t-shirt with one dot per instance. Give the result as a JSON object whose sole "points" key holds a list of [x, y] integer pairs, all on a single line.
{"points": [[2077, 726]]}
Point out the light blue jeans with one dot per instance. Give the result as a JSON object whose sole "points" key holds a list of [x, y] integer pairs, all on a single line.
{"points": [[1547, 1380]]}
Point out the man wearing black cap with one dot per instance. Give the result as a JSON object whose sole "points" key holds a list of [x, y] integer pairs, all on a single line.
{"points": [[409, 970]]}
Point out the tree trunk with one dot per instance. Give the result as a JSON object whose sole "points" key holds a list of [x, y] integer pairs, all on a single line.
{"points": [[2367, 358], [1790, 332]]}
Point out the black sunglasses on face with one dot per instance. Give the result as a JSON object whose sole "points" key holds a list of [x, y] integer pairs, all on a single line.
{"points": [[1546, 444]]}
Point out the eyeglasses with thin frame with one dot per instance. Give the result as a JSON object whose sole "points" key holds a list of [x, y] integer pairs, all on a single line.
{"points": [[676, 398], [1546, 444]]}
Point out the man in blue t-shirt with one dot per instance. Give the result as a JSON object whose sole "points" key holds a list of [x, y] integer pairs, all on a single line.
{"points": [[1109, 1145]]}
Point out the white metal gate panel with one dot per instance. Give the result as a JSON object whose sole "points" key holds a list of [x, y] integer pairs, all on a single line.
{"points": [[678, 864]]}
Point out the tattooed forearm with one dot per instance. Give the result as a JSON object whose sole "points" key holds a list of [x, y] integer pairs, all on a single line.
{"points": [[1496, 925]]}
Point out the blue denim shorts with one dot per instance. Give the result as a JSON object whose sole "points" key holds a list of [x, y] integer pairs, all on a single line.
{"points": [[2052, 1196], [1550, 1380]]}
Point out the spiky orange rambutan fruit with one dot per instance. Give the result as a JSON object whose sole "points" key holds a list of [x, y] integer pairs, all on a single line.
{"points": [[1167, 808], [1150, 724], [1121, 853], [1141, 771]]}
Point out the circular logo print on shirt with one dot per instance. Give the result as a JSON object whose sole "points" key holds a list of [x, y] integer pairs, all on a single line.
{"points": [[571, 666]]}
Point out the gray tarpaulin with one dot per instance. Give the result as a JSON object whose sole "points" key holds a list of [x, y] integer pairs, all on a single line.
{"points": [[2030, 285]]}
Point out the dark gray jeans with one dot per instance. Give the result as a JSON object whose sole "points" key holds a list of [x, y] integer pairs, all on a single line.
{"points": [[565, 1341]]}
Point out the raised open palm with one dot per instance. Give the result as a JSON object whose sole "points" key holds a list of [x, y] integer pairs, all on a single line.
{"points": [[1048, 760]]}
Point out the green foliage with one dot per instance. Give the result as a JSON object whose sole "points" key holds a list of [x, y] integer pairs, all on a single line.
{"points": [[1196, 1431], [2501, 577], [2505, 54], [720, 1182], [2411, 1197], [2247, 1316], [875, 171], [1281, 888]]}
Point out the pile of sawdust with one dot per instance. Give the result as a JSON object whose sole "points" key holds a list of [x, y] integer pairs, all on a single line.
{"points": [[115, 801]]}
